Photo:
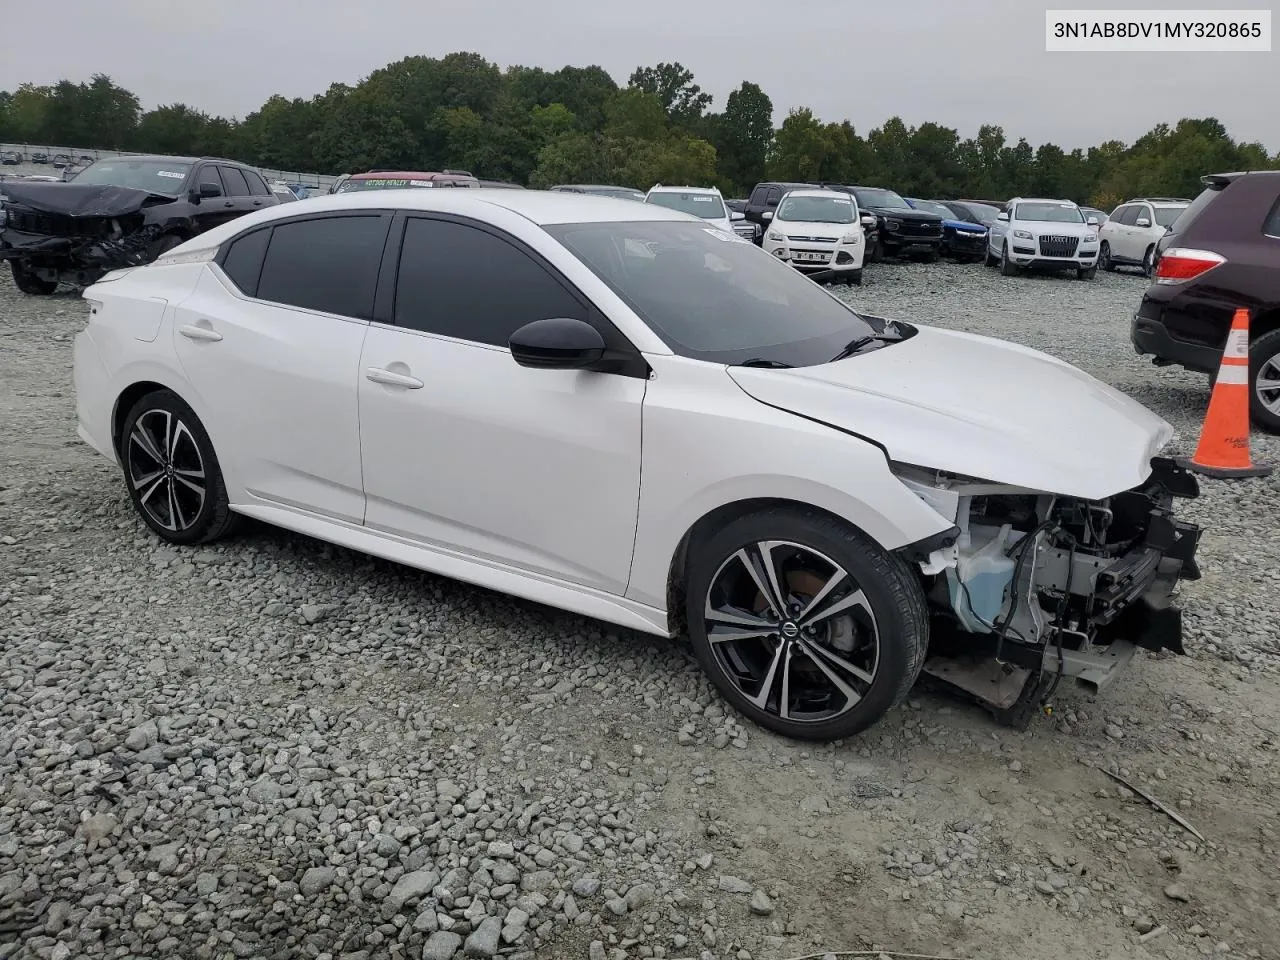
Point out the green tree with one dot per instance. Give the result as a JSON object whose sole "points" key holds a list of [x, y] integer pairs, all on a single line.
{"points": [[743, 136], [672, 83]]}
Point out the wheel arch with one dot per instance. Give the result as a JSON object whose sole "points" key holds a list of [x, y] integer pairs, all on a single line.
{"points": [[1267, 321], [702, 528], [124, 403]]}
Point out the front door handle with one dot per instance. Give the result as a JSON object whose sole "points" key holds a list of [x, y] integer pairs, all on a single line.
{"points": [[207, 334], [393, 379]]}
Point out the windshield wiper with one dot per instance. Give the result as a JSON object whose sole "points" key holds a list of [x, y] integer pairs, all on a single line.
{"points": [[857, 343], [764, 362]]}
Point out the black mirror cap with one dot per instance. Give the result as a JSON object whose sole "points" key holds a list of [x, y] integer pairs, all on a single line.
{"points": [[209, 191], [557, 343]]}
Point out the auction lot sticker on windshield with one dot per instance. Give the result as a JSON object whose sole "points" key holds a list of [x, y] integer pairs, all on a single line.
{"points": [[726, 237], [171, 174]]}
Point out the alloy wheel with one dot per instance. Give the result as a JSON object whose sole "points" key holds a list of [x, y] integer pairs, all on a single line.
{"points": [[166, 470], [792, 630], [1267, 384]]}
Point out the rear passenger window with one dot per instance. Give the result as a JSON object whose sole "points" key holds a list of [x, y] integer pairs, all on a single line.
{"points": [[243, 262], [328, 264], [257, 186], [757, 196], [460, 281], [237, 186]]}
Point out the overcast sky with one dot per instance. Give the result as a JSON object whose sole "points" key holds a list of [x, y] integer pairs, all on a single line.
{"points": [[957, 62]]}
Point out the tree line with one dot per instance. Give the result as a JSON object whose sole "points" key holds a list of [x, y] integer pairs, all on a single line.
{"points": [[577, 125]]}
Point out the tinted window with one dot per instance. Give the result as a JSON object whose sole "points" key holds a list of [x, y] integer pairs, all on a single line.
{"points": [[1140, 212], [328, 264], [243, 262], [1124, 216], [711, 295], [775, 194], [1207, 196], [210, 175], [257, 186], [237, 185], [460, 281], [1272, 227], [1166, 215], [757, 196]]}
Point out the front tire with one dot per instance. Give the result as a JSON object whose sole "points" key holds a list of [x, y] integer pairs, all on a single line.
{"points": [[988, 258], [804, 624], [855, 277], [1007, 267], [1104, 258], [1086, 273], [26, 280], [1264, 381], [172, 471]]}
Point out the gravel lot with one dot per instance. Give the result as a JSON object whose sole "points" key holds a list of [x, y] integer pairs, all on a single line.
{"points": [[273, 748]]}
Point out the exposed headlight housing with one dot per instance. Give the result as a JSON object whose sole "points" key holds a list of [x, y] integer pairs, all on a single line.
{"points": [[775, 236], [1090, 238], [852, 237], [1023, 234]]}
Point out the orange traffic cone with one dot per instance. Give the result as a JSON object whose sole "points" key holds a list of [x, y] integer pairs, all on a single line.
{"points": [[1223, 451]]}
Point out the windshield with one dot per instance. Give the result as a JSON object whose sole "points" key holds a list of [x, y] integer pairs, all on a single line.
{"points": [[381, 183], [1049, 212], [164, 177], [982, 211], [932, 206], [1166, 215], [704, 205], [816, 210], [881, 198], [713, 296]]}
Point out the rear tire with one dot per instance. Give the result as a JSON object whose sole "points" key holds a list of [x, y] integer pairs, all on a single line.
{"points": [[1264, 365], [870, 633], [172, 471], [26, 281]]}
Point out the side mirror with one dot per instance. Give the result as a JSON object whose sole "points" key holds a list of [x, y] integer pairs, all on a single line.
{"points": [[1092, 221], [735, 215], [868, 221], [1002, 217], [1143, 222], [557, 343], [767, 215], [209, 190]]}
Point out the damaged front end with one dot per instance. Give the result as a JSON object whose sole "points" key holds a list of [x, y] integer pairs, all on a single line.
{"points": [[1036, 588], [58, 233]]}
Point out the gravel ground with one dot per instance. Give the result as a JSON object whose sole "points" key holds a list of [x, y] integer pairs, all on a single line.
{"points": [[275, 748]]}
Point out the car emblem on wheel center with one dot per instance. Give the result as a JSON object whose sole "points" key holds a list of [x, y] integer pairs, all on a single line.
{"points": [[790, 630]]}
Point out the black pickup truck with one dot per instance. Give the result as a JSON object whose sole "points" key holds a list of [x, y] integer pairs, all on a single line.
{"points": [[119, 212], [903, 230]]}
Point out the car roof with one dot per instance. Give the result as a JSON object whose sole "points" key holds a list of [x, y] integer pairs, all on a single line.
{"points": [[812, 192], [164, 157], [542, 207], [406, 175], [663, 188]]}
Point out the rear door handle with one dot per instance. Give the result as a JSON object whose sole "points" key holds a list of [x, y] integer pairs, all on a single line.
{"points": [[207, 334], [392, 379]]}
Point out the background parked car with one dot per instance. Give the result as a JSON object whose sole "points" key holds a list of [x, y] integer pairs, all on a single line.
{"points": [[903, 231], [1223, 252], [10, 158], [1094, 212], [1041, 233], [972, 211], [704, 202], [962, 240], [39, 156], [76, 232], [61, 160], [1130, 234], [501, 184], [1002, 206], [399, 179], [818, 230]]}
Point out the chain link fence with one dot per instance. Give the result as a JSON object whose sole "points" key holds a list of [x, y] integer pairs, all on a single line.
{"points": [[320, 181]]}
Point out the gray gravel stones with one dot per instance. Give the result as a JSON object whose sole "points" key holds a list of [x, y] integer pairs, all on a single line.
{"points": [[271, 748]]}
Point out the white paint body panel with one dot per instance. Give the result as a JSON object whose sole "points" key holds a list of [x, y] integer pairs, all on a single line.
{"points": [[826, 237], [571, 488], [1012, 415]]}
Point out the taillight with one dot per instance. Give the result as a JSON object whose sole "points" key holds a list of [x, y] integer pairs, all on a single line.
{"points": [[1179, 264]]}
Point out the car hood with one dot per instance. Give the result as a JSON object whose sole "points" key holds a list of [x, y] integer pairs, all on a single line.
{"points": [[81, 199], [964, 226], [899, 213], [977, 406]]}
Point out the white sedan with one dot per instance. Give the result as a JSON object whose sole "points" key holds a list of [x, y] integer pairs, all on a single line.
{"points": [[818, 231], [620, 410]]}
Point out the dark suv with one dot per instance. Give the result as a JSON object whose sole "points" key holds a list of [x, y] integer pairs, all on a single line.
{"points": [[119, 212], [1223, 252], [903, 230]]}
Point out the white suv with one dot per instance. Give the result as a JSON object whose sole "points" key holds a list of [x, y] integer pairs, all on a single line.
{"points": [[1130, 235], [820, 231], [704, 202], [1043, 234]]}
